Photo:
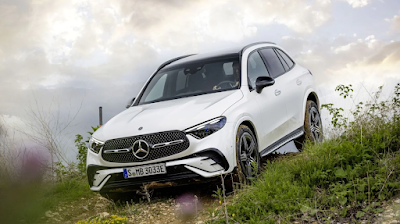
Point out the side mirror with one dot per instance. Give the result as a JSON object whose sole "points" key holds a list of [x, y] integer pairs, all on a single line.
{"points": [[129, 104], [263, 81]]}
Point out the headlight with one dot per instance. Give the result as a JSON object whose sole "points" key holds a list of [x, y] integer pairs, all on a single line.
{"points": [[95, 145], [207, 128]]}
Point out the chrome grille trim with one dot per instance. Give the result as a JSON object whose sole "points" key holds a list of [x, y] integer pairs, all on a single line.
{"points": [[159, 145], [117, 151], [162, 144]]}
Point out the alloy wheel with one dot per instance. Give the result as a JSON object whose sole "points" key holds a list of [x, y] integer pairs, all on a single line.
{"points": [[249, 159], [315, 124]]}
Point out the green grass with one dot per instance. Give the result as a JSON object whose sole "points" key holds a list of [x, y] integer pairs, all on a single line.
{"points": [[27, 203], [344, 179]]}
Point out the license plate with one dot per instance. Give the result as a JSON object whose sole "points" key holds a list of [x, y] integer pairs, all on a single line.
{"points": [[147, 170]]}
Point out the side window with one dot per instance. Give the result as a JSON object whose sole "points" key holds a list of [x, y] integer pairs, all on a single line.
{"points": [[286, 58], [228, 69], [180, 81], [274, 64], [255, 69], [285, 65], [158, 89]]}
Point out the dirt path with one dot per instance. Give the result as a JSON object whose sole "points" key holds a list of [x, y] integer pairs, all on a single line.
{"points": [[391, 213], [186, 204]]}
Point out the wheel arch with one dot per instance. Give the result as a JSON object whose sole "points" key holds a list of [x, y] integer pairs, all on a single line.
{"points": [[250, 124], [311, 95], [246, 120], [314, 97]]}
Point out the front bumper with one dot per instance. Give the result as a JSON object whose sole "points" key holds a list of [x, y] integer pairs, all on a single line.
{"points": [[199, 167], [202, 160]]}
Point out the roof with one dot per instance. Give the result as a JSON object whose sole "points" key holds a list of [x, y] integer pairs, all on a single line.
{"points": [[199, 57], [231, 52]]}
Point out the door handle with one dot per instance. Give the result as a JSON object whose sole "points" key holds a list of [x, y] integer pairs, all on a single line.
{"points": [[298, 82], [277, 92]]}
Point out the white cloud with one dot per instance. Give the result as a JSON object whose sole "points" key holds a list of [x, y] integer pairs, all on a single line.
{"points": [[396, 23], [358, 3], [347, 60]]}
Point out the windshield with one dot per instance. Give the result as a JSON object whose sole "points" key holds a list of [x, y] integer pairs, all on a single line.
{"points": [[191, 79]]}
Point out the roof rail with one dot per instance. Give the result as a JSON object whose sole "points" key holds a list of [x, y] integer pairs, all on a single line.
{"points": [[250, 45], [172, 60]]}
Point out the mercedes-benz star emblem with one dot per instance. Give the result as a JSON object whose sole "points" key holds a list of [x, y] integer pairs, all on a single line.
{"points": [[140, 149]]}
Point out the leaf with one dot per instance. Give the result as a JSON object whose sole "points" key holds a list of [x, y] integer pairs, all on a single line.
{"points": [[313, 211], [360, 214], [379, 210], [343, 201], [305, 209], [341, 173]]}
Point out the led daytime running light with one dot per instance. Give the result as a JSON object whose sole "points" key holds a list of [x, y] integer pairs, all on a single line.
{"points": [[95, 145], [207, 128]]}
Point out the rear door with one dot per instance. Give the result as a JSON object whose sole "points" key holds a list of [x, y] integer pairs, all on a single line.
{"points": [[297, 80]]}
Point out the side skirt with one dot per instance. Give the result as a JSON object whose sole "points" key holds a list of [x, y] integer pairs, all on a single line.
{"points": [[276, 145]]}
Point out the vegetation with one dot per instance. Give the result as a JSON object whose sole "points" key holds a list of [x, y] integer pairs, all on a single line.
{"points": [[345, 178], [82, 149], [27, 201], [114, 219]]}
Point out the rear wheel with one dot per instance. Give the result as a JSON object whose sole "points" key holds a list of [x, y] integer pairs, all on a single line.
{"points": [[247, 155], [312, 126]]}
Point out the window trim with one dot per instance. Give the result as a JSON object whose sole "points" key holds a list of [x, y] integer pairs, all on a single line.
{"points": [[294, 63], [265, 60], [282, 60], [247, 66], [273, 48]]}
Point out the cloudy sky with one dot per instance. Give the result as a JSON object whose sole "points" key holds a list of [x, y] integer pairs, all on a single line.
{"points": [[73, 56]]}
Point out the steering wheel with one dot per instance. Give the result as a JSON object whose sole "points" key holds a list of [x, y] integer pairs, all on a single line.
{"points": [[227, 84]]}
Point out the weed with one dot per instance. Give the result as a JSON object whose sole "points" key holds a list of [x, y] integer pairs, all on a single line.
{"points": [[114, 219], [343, 178]]}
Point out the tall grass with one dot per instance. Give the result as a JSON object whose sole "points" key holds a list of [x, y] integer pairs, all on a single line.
{"points": [[28, 202], [345, 178]]}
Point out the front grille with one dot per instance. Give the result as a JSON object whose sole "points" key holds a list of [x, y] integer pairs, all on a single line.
{"points": [[156, 138]]}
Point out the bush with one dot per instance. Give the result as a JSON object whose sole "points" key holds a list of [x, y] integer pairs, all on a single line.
{"points": [[82, 149]]}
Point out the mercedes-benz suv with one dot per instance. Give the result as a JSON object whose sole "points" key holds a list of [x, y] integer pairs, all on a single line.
{"points": [[200, 116]]}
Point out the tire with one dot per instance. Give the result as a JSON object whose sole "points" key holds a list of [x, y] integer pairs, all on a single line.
{"points": [[312, 126], [247, 155]]}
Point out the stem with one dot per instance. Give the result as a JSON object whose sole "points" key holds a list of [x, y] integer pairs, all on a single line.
{"points": [[223, 193]]}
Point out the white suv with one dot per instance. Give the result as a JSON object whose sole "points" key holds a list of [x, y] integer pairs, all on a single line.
{"points": [[200, 116]]}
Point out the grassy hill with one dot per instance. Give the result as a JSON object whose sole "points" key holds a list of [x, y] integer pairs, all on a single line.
{"points": [[347, 178]]}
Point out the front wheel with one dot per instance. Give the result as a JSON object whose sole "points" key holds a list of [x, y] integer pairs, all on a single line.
{"points": [[247, 155], [312, 126]]}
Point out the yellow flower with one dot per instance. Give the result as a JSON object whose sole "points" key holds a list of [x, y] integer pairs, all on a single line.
{"points": [[220, 202], [233, 215]]}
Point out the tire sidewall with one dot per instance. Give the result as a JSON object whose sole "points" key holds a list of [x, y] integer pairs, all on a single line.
{"points": [[307, 122], [241, 130]]}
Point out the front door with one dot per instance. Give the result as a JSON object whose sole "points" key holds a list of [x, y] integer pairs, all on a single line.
{"points": [[272, 107]]}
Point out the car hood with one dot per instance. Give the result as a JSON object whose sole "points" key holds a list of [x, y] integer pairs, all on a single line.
{"points": [[178, 114]]}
